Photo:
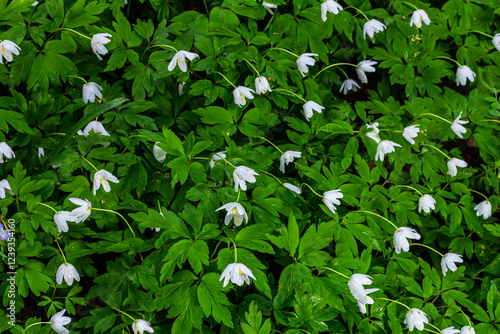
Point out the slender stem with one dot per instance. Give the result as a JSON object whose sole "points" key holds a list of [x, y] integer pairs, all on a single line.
{"points": [[46, 206], [62, 253], [430, 330], [263, 171], [285, 51], [215, 250], [335, 271], [394, 301], [305, 184], [276, 147], [300, 329], [448, 58], [359, 12], [490, 120], [434, 327], [166, 46], [434, 147], [239, 192], [258, 74], [57, 133], [337, 64], [36, 323], [429, 247], [373, 213], [226, 161], [285, 90], [117, 213], [128, 315], [341, 70], [225, 78], [430, 114], [235, 251], [401, 185], [477, 192], [89, 163], [482, 33], [410, 4], [75, 76], [76, 32]]}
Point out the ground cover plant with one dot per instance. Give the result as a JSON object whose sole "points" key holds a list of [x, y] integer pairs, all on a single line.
{"points": [[239, 166]]}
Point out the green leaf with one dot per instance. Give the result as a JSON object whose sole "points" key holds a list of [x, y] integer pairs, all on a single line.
{"points": [[213, 300], [173, 144]]}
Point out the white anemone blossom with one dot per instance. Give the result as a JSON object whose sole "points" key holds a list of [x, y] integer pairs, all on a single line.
{"points": [[384, 147], [464, 73], [5, 151], [180, 60], [365, 66], [330, 198], [416, 318], [269, 7], [426, 203], [496, 41], [97, 43], [330, 6], [7, 49], [400, 236], [240, 94], [448, 262], [411, 132], [90, 91], [238, 273], [104, 177], [241, 175], [457, 127], [96, 127], [139, 326], [68, 272], [371, 27], [418, 16], [236, 211], [348, 85], [467, 330], [287, 157], [217, 157], [159, 153], [305, 60], [83, 212], [453, 164], [311, 106], [58, 321], [483, 209], [262, 85], [61, 219], [5, 186], [374, 133]]}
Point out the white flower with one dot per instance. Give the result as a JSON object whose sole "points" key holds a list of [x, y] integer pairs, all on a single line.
{"points": [[416, 318], [180, 88], [83, 212], [68, 271], [61, 218], [262, 85], [239, 94], [371, 27], [95, 126], [311, 106], [57, 321], [464, 73], [216, 157], [418, 16], [90, 91], [457, 127], [242, 174], [330, 198], [373, 134], [348, 85], [6, 151], [291, 187], [287, 157], [4, 234], [448, 262], [7, 48], [453, 164], [238, 273], [159, 154], [236, 211], [180, 60], [450, 330], [368, 299], [97, 43], [305, 60], [426, 203], [356, 287], [384, 147], [102, 177], [139, 326], [365, 66], [329, 6], [4, 185], [411, 132], [467, 330], [483, 209], [269, 6], [496, 41], [400, 235]]}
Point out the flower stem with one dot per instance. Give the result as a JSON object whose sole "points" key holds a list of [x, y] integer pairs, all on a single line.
{"points": [[305, 184], [276, 147], [225, 78], [477, 192], [448, 58], [117, 213], [401, 185], [429, 247], [48, 206], [62, 253], [335, 271], [285, 51], [128, 315], [226, 161], [393, 301], [263, 171], [258, 74], [465, 315], [373, 213], [36, 323], [434, 147], [358, 12], [75, 76], [337, 64], [166, 46], [89, 163], [430, 330], [235, 251], [482, 33], [490, 120], [430, 114], [76, 32], [239, 192], [439, 331], [410, 4], [285, 90]]}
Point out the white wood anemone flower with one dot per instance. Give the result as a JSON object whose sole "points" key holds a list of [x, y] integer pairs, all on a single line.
{"points": [[305, 60], [330, 198], [384, 147], [448, 262], [97, 44], [400, 236], [496, 41], [96, 127], [5, 186], [453, 164], [416, 318], [7, 49], [288, 157], [159, 153], [269, 7], [241, 93], [464, 73], [483, 209], [139, 326], [83, 212], [5, 151], [356, 286], [374, 133], [349, 84], [291, 187], [311, 106], [450, 330], [68, 272], [457, 127], [418, 17], [61, 219], [262, 85], [330, 6], [238, 273], [58, 321], [371, 27], [365, 66], [103, 177], [411, 132], [90, 91], [234, 210], [217, 157], [241, 175], [180, 60], [426, 203], [467, 330]]}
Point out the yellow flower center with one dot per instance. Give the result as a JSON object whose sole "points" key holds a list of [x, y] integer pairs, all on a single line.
{"points": [[102, 180], [3, 49], [240, 271]]}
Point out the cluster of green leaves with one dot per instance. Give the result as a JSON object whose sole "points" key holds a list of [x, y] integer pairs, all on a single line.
{"points": [[172, 277]]}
